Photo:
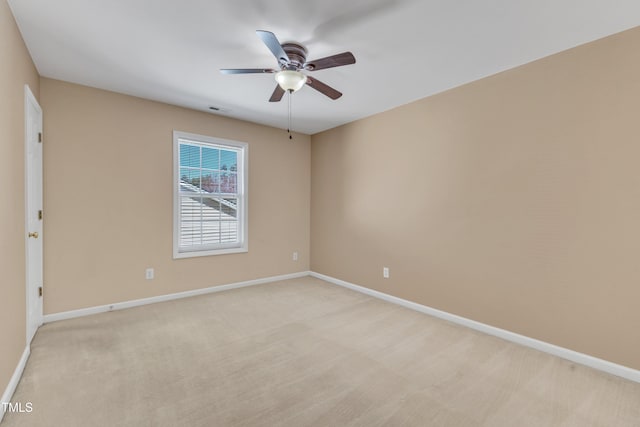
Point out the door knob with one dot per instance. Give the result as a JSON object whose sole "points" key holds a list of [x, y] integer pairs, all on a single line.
{"points": [[34, 234]]}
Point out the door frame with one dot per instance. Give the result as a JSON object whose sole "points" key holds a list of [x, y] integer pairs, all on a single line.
{"points": [[34, 314]]}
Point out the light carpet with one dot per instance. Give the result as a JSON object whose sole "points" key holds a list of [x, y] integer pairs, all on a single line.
{"points": [[302, 352]]}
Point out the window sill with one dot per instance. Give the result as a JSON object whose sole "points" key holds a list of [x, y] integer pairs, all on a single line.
{"points": [[212, 252]]}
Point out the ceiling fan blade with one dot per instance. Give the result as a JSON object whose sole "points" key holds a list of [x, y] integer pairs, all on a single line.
{"points": [[274, 46], [277, 94], [345, 58], [246, 70], [323, 88]]}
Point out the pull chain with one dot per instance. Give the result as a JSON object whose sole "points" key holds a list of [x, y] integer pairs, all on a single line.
{"points": [[289, 124]]}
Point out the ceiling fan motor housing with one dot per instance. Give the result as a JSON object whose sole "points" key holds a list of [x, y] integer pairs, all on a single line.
{"points": [[297, 56]]}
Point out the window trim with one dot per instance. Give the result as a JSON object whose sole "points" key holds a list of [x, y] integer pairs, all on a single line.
{"points": [[243, 196]]}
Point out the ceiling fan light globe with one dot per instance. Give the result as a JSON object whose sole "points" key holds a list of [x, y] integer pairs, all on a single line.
{"points": [[290, 80]]}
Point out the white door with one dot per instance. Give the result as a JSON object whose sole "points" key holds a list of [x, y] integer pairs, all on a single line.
{"points": [[34, 214]]}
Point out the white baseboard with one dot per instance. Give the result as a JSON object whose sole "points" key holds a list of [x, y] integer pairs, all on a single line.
{"points": [[48, 318], [15, 379], [565, 353]]}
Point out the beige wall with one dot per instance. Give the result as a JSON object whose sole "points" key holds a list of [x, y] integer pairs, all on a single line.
{"points": [[16, 70], [514, 200], [108, 199]]}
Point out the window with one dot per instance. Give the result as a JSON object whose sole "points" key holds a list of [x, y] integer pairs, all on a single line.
{"points": [[210, 197]]}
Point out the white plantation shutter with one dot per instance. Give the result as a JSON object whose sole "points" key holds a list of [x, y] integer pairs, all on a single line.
{"points": [[209, 196]]}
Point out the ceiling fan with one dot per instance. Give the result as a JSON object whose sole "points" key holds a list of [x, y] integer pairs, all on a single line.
{"points": [[292, 59]]}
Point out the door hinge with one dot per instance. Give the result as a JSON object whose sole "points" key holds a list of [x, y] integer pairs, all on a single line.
{"points": [[39, 136], [39, 214], [40, 291]]}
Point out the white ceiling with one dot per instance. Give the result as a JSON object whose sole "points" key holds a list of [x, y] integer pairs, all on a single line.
{"points": [[171, 50]]}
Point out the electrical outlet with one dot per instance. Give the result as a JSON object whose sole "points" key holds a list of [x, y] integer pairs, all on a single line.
{"points": [[295, 256], [149, 273], [385, 272]]}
